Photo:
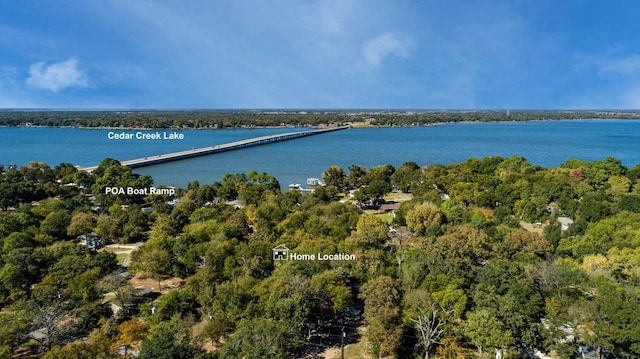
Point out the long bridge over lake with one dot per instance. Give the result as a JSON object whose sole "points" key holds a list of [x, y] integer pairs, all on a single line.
{"points": [[257, 141]]}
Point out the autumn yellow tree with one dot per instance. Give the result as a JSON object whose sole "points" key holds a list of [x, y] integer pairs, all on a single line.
{"points": [[130, 335]]}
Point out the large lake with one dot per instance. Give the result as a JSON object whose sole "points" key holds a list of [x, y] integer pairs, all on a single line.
{"points": [[547, 143]]}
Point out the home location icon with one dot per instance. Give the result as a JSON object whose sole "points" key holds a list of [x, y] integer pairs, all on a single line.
{"points": [[280, 252]]}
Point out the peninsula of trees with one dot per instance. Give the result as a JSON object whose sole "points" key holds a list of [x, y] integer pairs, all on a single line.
{"points": [[202, 119], [491, 255]]}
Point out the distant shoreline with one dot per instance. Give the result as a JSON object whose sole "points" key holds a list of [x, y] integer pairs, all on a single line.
{"points": [[248, 119], [355, 125]]}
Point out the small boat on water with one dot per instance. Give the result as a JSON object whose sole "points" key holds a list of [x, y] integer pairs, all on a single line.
{"points": [[312, 183], [296, 186]]}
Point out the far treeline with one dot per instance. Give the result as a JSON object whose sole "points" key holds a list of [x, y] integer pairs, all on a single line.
{"points": [[488, 258], [201, 119]]}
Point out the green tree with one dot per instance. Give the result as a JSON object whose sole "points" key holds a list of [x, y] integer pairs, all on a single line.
{"points": [[286, 297], [14, 326], [561, 278], [452, 212], [377, 189], [486, 332], [225, 305], [169, 340], [511, 296], [82, 223], [56, 223], [15, 221], [335, 177], [153, 262], [630, 203], [620, 231], [97, 346], [594, 207], [331, 291], [451, 299], [459, 252], [381, 302], [327, 193], [173, 303], [612, 317], [10, 195], [619, 185], [406, 176], [22, 266], [16, 240], [133, 223], [380, 173], [424, 218], [262, 338], [520, 243], [356, 177], [371, 232]]}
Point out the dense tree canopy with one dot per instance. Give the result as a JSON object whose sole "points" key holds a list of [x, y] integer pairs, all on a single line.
{"points": [[489, 254]]}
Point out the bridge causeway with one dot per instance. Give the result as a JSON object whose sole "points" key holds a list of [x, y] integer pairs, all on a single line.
{"points": [[231, 146]]}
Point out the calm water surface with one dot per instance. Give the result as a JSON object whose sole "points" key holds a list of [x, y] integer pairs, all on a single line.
{"points": [[547, 143]]}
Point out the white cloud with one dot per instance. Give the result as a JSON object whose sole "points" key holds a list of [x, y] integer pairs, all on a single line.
{"points": [[57, 76], [377, 49]]}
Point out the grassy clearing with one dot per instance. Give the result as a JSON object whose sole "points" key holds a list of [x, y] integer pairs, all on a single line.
{"points": [[356, 351], [121, 257], [398, 197], [386, 217], [122, 251]]}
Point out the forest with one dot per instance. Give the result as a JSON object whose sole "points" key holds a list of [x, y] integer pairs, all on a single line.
{"points": [[206, 119], [492, 257]]}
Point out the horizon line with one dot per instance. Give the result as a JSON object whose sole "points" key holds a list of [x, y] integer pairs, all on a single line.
{"points": [[302, 110]]}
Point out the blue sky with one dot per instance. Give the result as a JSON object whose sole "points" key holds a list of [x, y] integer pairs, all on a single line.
{"points": [[395, 54]]}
